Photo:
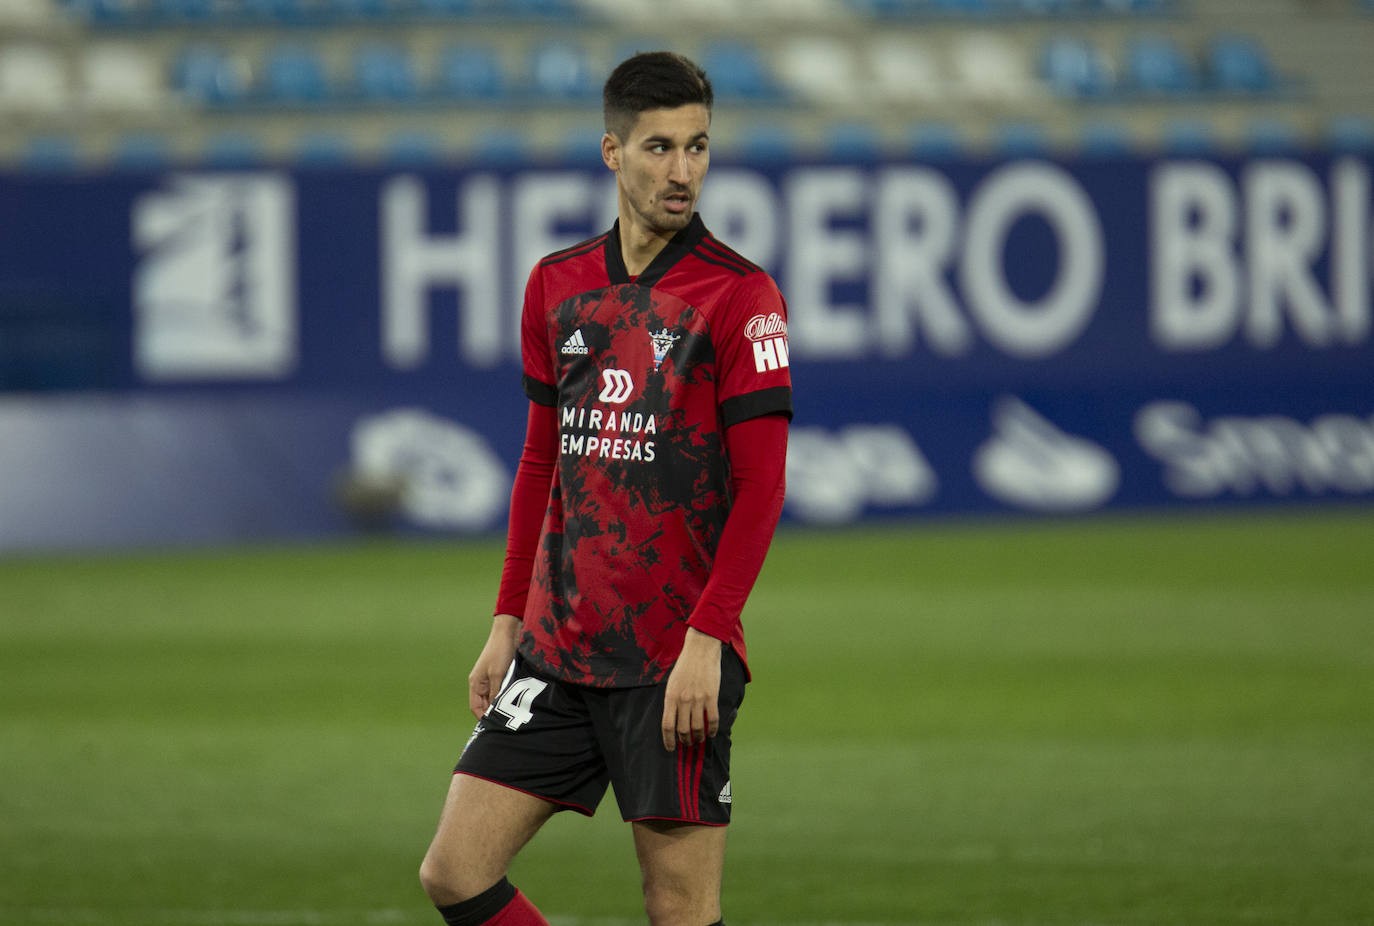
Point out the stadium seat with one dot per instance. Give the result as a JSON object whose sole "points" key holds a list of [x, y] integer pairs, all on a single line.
{"points": [[33, 79], [384, 73], [821, 69], [560, 70], [325, 149], [738, 71], [1237, 64], [766, 143], [1271, 136], [1075, 68], [179, 11], [987, 66], [905, 70], [1349, 134], [357, 9], [543, 9], [50, 154], [295, 73], [104, 12], [853, 143], [413, 148], [471, 72], [209, 75], [445, 8], [1189, 137], [964, 8], [120, 77], [233, 150], [580, 146], [1020, 140], [936, 141], [1104, 140], [1158, 66], [499, 147], [282, 12], [141, 151]]}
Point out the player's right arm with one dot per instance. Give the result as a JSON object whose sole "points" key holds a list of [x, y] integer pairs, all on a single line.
{"points": [[529, 499]]}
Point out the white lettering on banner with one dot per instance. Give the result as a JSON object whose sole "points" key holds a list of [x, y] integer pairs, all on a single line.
{"points": [[214, 292], [415, 262], [819, 255], [915, 227], [1049, 325], [1208, 288], [915, 217], [743, 209], [833, 476], [1273, 453]]}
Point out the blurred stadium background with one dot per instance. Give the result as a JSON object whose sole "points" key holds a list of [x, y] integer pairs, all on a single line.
{"points": [[1069, 621]]}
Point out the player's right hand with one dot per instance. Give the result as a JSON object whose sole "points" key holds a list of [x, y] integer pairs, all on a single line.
{"points": [[484, 681]]}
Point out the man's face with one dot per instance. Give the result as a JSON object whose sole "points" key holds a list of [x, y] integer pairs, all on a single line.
{"points": [[660, 166]]}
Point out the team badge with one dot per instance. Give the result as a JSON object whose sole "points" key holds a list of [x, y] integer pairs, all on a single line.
{"points": [[663, 342]]}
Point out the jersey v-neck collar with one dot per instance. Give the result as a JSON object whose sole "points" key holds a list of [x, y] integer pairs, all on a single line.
{"points": [[678, 247]]}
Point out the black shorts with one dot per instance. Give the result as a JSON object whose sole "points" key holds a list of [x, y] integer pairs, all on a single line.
{"points": [[564, 743]]}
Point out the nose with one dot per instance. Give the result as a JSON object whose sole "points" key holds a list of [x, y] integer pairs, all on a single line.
{"points": [[677, 168]]}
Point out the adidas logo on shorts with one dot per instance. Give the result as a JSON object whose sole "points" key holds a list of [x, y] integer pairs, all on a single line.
{"points": [[574, 344], [724, 797]]}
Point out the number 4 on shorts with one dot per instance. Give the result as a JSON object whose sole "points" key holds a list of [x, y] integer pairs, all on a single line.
{"points": [[516, 699]]}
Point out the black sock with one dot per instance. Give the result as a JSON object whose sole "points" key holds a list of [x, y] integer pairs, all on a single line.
{"points": [[481, 908]]}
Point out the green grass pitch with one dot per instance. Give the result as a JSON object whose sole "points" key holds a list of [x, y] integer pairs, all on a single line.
{"points": [[1164, 721]]}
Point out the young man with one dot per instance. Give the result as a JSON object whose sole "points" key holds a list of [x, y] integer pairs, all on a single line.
{"points": [[656, 364]]}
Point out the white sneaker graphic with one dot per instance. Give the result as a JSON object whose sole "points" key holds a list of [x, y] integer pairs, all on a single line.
{"points": [[1030, 463], [574, 344]]}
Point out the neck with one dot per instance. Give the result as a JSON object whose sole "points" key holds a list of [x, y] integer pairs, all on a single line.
{"points": [[639, 245]]}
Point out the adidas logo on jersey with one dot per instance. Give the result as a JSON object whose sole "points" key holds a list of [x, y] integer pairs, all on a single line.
{"points": [[574, 344], [724, 797]]}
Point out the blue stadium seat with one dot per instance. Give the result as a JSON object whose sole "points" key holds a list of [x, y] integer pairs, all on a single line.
{"points": [[50, 154], [543, 9], [384, 72], [295, 74], [1158, 66], [1272, 137], [325, 149], [284, 12], [1075, 68], [936, 141], [141, 151], [500, 147], [1105, 140], [580, 146], [104, 12], [358, 9], [1237, 64], [738, 71], [233, 150], [1189, 137], [965, 8], [471, 72], [209, 75], [1349, 134], [1020, 140], [561, 71], [414, 148], [853, 142], [183, 10], [445, 8], [769, 144]]}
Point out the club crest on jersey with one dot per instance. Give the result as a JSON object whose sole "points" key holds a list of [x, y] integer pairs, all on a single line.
{"points": [[769, 334], [663, 342]]}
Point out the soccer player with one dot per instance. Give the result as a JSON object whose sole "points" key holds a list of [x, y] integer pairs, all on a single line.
{"points": [[649, 487]]}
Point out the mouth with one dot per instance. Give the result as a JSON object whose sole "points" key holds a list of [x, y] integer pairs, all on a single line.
{"points": [[677, 202]]}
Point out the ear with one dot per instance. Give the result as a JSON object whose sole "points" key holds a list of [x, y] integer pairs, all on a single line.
{"points": [[610, 151]]}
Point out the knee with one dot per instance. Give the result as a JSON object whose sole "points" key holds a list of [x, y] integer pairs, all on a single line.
{"points": [[440, 881], [669, 902]]}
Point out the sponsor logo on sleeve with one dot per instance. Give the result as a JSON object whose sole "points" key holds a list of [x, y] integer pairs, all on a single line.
{"points": [[769, 336]]}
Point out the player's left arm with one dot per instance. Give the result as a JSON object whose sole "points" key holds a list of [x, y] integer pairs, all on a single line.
{"points": [[757, 448]]}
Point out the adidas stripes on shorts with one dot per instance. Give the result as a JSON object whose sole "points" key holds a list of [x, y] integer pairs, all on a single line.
{"points": [[564, 743]]}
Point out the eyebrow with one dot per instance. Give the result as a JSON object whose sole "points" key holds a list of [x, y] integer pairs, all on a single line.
{"points": [[664, 140]]}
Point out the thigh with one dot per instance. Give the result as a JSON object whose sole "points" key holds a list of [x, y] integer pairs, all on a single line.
{"points": [[682, 865], [482, 827]]}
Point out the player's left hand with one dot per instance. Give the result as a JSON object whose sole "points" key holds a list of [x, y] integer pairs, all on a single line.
{"points": [[691, 707]]}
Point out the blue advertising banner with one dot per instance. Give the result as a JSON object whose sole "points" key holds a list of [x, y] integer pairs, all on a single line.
{"points": [[189, 357]]}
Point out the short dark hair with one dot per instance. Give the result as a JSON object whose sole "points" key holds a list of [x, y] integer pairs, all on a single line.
{"points": [[652, 80]]}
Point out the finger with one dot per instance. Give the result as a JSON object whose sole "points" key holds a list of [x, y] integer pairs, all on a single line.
{"points": [[712, 719], [669, 726]]}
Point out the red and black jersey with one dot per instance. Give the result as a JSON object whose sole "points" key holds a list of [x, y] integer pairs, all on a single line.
{"points": [[644, 375]]}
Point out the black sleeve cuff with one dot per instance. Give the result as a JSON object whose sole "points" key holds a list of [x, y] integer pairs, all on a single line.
{"points": [[777, 400], [540, 393]]}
